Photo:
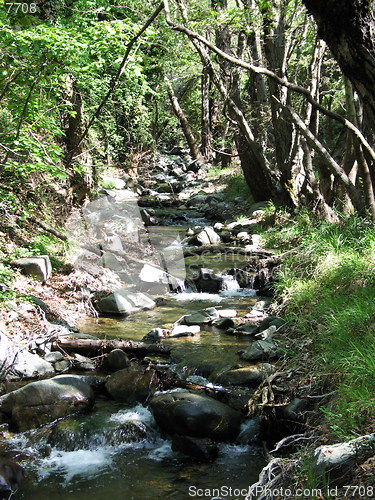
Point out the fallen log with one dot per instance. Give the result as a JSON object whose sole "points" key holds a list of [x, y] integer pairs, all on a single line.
{"points": [[259, 253], [89, 345]]}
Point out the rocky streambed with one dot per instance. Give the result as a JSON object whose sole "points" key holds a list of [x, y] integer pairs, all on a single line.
{"points": [[181, 382]]}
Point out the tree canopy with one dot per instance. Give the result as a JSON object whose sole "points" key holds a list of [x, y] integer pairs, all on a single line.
{"points": [[87, 85]]}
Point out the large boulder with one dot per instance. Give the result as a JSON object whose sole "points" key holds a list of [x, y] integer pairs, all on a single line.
{"points": [[196, 415], [38, 267], [208, 281], [45, 400], [208, 236], [132, 384], [125, 302]]}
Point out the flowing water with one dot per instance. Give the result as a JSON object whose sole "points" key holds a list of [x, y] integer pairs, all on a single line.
{"points": [[116, 452]]}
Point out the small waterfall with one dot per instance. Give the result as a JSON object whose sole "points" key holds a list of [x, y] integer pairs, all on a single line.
{"points": [[230, 283]]}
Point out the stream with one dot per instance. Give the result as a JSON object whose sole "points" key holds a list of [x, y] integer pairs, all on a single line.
{"points": [[117, 451], [147, 467]]}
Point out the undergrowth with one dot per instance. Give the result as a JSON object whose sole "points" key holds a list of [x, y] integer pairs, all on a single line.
{"points": [[328, 289]]}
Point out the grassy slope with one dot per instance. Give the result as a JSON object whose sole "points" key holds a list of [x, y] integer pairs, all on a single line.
{"points": [[328, 288]]}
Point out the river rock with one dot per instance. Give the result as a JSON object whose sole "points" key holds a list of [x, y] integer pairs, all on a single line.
{"points": [[194, 166], [202, 317], [224, 323], [207, 237], [84, 434], [155, 335], [62, 366], [243, 278], [338, 459], [196, 415], [271, 321], [162, 280], [117, 360], [38, 267], [266, 334], [261, 349], [53, 357], [244, 237], [247, 329], [199, 448], [184, 330], [227, 313], [46, 400], [251, 431], [132, 384], [125, 302], [247, 375], [83, 362], [208, 281], [197, 201], [28, 365]]}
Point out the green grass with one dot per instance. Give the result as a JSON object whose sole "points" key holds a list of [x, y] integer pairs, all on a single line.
{"points": [[329, 288], [236, 186]]}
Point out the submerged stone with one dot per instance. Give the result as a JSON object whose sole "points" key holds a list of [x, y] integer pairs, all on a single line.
{"points": [[199, 448], [261, 349]]}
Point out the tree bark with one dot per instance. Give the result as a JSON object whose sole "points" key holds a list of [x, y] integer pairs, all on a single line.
{"points": [[330, 163], [89, 345], [348, 27], [206, 132], [185, 125]]}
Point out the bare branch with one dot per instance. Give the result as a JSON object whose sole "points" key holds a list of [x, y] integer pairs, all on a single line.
{"points": [[264, 71]]}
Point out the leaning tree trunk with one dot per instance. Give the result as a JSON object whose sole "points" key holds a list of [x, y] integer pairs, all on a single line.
{"points": [[206, 132], [348, 27], [185, 125]]}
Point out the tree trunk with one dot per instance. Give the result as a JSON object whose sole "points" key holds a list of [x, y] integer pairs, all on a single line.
{"points": [[206, 132], [185, 126], [89, 345], [348, 27]]}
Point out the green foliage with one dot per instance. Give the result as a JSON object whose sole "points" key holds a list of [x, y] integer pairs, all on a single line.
{"points": [[236, 186], [83, 46], [48, 245], [329, 288], [6, 274]]}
